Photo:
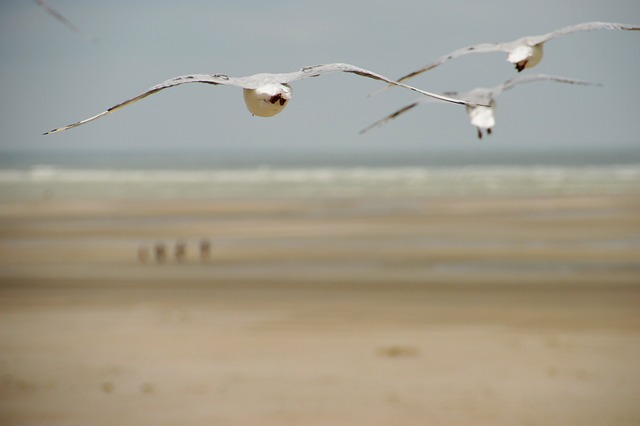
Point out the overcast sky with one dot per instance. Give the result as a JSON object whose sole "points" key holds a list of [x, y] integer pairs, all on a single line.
{"points": [[52, 77]]}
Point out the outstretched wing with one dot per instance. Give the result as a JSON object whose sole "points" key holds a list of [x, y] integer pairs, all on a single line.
{"points": [[402, 110], [317, 70], [176, 81], [477, 48], [539, 77], [389, 117], [585, 26], [51, 11]]}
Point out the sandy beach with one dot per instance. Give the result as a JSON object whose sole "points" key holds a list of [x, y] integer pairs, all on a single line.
{"points": [[456, 311]]}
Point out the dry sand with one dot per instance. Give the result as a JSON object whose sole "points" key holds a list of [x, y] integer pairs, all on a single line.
{"points": [[489, 311]]}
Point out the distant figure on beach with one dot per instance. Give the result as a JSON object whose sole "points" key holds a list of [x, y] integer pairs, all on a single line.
{"points": [[205, 249], [161, 252], [143, 254], [181, 251]]}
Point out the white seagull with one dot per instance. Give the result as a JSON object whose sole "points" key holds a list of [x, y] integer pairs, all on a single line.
{"points": [[525, 52], [265, 95], [481, 116]]}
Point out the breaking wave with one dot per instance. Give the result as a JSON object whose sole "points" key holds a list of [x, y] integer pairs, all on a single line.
{"points": [[329, 181]]}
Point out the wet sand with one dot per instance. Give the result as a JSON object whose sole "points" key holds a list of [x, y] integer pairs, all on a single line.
{"points": [[487, 311]]}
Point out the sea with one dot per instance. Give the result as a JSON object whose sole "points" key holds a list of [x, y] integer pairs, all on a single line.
{"points": [[236, 174]]}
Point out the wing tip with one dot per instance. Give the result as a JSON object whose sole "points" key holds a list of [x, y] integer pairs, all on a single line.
{"points": [[366, 129], [377, 92], [59, 129]]}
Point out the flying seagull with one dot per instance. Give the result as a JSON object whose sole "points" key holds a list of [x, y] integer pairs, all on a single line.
{"points": [[51, 11], [265, 95], [525, 52], [481, 116]]}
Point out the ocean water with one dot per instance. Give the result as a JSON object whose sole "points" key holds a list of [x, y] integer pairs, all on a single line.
{"points": [[234, 174]]}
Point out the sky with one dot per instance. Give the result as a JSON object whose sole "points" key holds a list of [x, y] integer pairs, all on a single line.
{"points": [[52, 77]]}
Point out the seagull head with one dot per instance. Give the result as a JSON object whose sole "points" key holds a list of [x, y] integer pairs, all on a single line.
{"points": [[526, 56], [267, 100]]}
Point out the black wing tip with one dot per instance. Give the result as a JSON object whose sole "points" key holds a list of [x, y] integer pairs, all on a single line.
{"points": [[59, 129]]}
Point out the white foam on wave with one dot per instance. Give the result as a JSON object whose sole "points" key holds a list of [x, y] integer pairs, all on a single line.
{"points": [[321, 174], [342, 181]]}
